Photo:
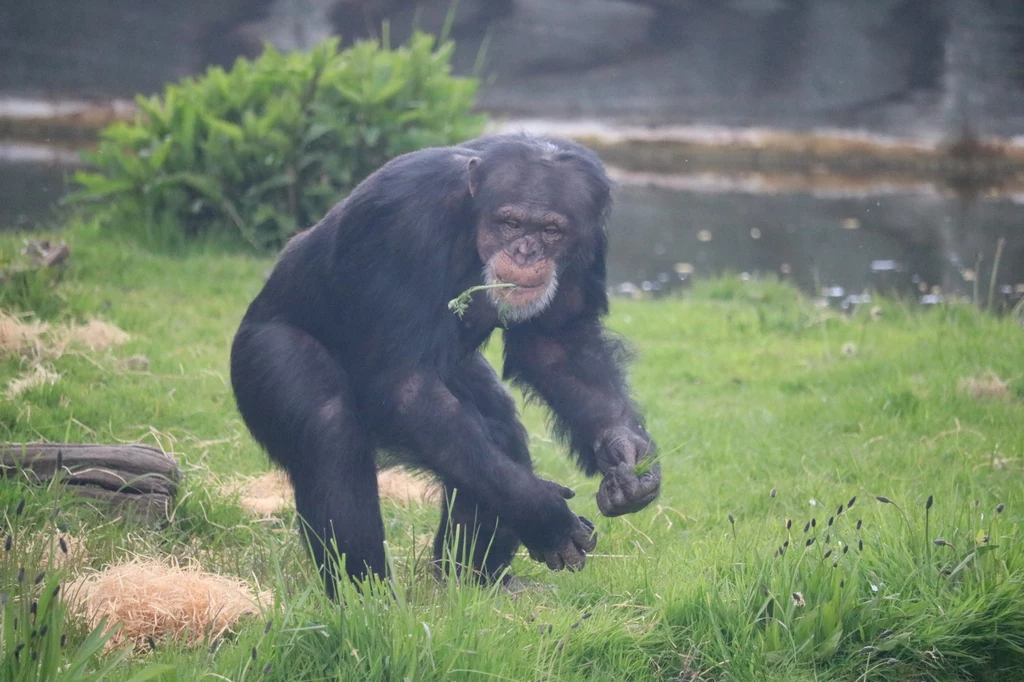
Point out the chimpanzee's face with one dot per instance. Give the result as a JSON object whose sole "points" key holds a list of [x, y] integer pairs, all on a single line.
{"points": [[533, 216]]}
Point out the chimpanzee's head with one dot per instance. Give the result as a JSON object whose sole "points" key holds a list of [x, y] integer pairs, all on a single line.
{"points": [[540, 206]]}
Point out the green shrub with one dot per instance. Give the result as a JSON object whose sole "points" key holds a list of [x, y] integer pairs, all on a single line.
{"points": [[264, 149]]}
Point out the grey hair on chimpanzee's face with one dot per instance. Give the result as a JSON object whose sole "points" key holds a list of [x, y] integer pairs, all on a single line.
{"points": [[521, 303]]}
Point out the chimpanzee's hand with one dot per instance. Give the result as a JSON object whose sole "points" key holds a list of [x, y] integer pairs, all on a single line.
{"points": [[569, 548], [571, 553], [623, 490]]}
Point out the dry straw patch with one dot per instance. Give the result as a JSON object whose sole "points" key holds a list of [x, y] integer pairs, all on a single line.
{"points": [[38, 340], [405, 487], [271, 493], [20, 336], [987, 385], [17, 336], [37, 376], [160, 601]]}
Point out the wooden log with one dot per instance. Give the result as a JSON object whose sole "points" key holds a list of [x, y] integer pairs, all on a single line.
{"points": [[147, 507], [137, 479]]}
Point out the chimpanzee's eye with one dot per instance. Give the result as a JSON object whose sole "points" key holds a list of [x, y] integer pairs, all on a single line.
{"points": [[512, 224], [552, 231]]}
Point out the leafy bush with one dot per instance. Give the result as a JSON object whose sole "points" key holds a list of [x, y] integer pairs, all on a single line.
{"points": [[266, 148]]}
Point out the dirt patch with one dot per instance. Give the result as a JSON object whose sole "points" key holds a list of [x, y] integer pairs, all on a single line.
{"points": [[163, 601]]}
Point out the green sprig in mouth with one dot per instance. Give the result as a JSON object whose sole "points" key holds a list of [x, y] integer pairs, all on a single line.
{"points": [[460, 303]]}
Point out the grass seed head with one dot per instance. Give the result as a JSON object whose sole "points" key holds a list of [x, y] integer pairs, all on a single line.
{"points": [[852, 500], [8, 543], [814, 523], [267, 667], [807, 526], [885, 634], [1000, 507], [254, 653], [789, 523], [732, 520], [839, 511], [842, 584], [831, 519], [868, 650], [827, 554], [21, 507], [214, 645], [772, 493], [883, 499], [859, 522], [810, 541], [928, 504], [785, 544], [39, 578], [63, 545], [21, 574], [846, 548], [860, 545], [892, 661], [266, 628]]}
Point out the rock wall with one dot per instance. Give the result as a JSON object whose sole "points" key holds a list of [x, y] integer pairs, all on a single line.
{"points": [[922, 67]]}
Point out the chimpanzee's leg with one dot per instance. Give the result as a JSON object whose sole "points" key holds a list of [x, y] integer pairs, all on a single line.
{"points": [[298, 403], [471, 524]]}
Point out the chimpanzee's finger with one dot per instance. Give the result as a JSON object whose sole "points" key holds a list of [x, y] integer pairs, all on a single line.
{"points": [[585, 536], [536, 556], [573, 558], [566, 493], [554, 561]]}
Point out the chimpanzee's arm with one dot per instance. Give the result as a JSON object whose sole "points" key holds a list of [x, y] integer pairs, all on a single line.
{"points": [[450, 437], [578, 370]]}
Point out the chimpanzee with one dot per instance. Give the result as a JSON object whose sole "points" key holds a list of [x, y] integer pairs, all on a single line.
{"points": [[351, 348]]}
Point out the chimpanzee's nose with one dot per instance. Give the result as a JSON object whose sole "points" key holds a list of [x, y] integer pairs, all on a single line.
{"points": [[525, 252]]}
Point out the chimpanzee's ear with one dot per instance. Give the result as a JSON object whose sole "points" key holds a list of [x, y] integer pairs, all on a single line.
{"points": [[474, 175]]}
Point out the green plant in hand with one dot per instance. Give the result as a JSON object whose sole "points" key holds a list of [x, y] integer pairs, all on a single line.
{"points": [[265, 149]]}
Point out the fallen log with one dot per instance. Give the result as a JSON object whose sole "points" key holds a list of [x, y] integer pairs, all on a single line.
{"points": [[135, 479]]}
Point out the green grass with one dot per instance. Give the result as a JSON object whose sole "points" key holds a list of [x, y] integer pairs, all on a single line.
{"points": [[747, 387]]}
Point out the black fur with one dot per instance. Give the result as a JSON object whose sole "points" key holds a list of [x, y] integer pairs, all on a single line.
{"points": [[350, 349]]}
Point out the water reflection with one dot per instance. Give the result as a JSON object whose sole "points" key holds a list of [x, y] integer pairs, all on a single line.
{"points": [[916, 242], [923, 245], [33, 178]]}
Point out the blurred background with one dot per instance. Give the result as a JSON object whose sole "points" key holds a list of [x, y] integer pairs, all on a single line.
{"points": [[847, 145]]}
